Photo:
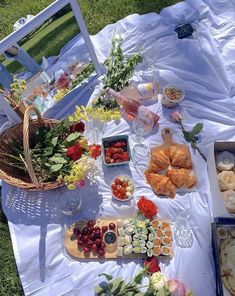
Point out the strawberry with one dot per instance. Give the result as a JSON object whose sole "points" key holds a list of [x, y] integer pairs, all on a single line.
{"points": [[116, 156], [117, 144], [107, 159]]}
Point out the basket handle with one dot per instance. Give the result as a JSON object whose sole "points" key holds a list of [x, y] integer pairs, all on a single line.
{"points": [[27, 154], [9, 98]]}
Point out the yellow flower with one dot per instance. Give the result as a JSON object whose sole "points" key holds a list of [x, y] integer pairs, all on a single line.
{"points": [[83, 143], [71, 187]]}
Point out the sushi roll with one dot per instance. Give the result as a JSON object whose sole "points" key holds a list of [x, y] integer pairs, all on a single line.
{"points": [[136, 250], [168, 232], [165, 250], [149, 245], [151, 237], [143, 250], [151, 229], [166, 225], [143, 237], [138, 230], [127, 239], [121, 231], [157, 250], [119, 223], [127, 222], [166, 241], [150, 253], [155, 223], [119, 251], [142, 243], [127, 249], [130, 229], [159, 233], [136, 237], [135, 243], [120, 241], [157, 241], [144, 231], [140, 224]]}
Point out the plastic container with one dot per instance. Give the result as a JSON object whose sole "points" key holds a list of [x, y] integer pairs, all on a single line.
{"points": [[109, 140], [170, 102]]}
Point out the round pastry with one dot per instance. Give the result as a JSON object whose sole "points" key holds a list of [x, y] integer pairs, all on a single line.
{"points": [[229, 200], [226, 180], [224, 161]]}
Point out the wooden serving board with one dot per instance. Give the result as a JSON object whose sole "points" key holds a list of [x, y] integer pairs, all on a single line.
{"points": [[76, 252], [167, 136]]}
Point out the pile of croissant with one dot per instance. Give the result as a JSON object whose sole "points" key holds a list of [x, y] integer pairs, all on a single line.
{"points": [[178, 176]]}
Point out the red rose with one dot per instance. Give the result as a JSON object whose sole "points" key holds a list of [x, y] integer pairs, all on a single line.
{"points": [[95, 150], [62, 82], [77, 127], [153, 265], [74, 152], [147, 208]]}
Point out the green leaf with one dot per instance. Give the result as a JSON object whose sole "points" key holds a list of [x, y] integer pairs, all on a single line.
{"points": [[117, 285], [108, 276], [56, 167], [138, 278], [48, 151], [54, 141], [197, 128], [163, 292], [58, 159], [72, 137]]}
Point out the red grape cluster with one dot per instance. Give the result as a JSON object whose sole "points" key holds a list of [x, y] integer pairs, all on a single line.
{"points": [[90, 238]]}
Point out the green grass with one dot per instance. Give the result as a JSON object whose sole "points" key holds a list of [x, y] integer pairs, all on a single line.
{"points": [[97, 14]]}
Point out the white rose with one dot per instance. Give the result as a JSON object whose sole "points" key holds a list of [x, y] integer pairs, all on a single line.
{"points": [[158, 281]]}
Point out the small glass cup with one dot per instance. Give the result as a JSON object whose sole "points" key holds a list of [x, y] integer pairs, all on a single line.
{"points": [[70, 202]]}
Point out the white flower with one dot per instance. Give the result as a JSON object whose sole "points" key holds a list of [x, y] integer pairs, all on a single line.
{"points": [[158, 281]]}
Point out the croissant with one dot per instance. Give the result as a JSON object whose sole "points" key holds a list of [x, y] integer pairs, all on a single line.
{"points": [[159, 160], [180, 157], [161, 184], [181, 178]]}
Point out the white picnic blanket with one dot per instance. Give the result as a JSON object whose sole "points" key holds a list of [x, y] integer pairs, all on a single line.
{"points": [[205, 68]]}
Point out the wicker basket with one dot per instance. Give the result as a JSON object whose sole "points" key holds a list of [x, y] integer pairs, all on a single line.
{"points": [[18, 133], [18, 108]]}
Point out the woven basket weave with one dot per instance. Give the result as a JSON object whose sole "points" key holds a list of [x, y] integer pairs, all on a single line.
{"points": [[18, 133]]}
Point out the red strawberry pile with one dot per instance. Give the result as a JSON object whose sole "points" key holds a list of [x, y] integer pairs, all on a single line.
{"points": [[116, 151], [90, 238]]}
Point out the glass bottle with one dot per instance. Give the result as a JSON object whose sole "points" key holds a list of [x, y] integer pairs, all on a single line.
{"points": [[141, 91], [132, 107]]}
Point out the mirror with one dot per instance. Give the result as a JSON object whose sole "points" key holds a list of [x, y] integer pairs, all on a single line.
{"points": [[55, 57]]}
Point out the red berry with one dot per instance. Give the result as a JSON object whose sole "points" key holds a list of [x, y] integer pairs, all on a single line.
{"points": [[112, 226], [101, 253], [94, 247], [85, 231], [80, 243], [107, 159], [90, 223], [86, 250], [104, 228]]}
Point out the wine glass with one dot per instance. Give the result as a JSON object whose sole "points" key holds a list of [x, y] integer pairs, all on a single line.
{"points": [[142, 124], [70, 202], [182, 231]]}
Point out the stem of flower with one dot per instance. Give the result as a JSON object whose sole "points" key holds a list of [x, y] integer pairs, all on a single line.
{"points": [[200, 153]]}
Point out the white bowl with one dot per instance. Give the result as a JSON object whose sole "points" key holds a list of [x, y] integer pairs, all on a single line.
{"points": [[129, 180], [170, 103]]}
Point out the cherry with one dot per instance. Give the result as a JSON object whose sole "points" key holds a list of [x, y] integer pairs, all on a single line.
{"points": [[90, 223], [86, 250], [104, 229], [112, 226], [85, 230], [101, 253], [80, 243], [76, 231], [94, 247]]}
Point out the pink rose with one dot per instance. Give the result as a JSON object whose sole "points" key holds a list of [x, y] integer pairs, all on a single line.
{"points": [[177, 116], [176, 288]]}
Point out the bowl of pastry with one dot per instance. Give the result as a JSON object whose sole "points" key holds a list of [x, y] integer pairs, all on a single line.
{"points": [[172, 96]]}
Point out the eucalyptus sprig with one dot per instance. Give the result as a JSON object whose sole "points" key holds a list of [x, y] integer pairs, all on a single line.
{"points": [[119, 68]]}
